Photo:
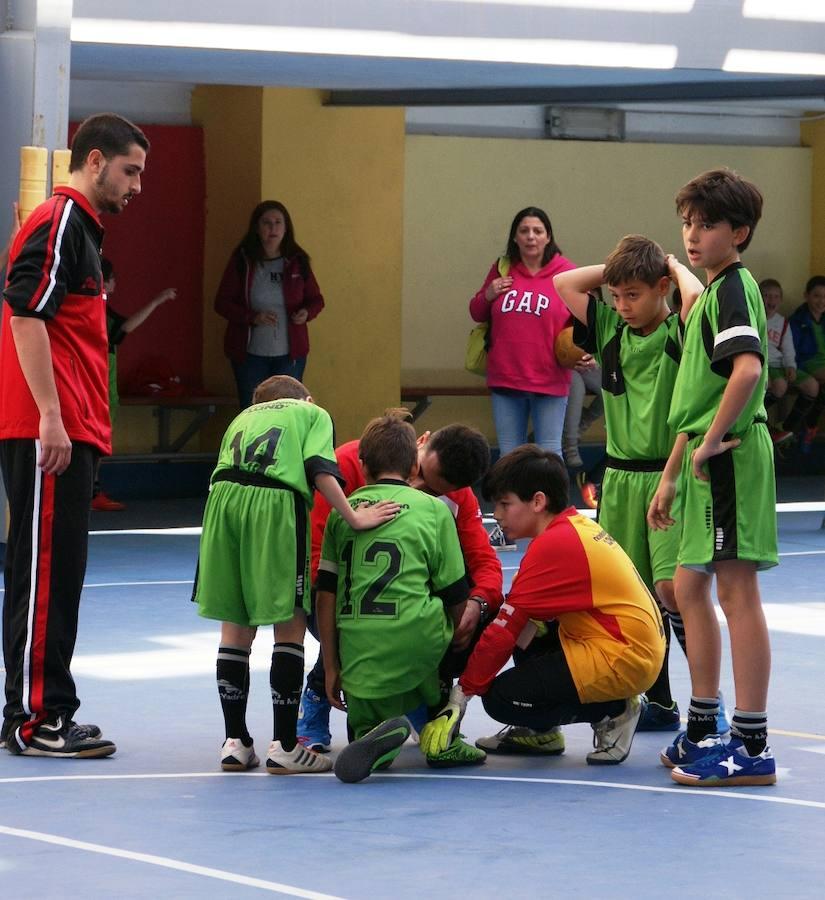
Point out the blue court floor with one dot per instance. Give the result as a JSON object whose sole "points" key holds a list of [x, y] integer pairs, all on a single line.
{"points": [[160, 820]]}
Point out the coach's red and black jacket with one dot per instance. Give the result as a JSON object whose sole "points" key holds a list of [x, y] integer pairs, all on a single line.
{"points": [[54, 274]]}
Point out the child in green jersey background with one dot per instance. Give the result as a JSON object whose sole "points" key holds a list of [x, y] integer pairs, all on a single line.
{"points": [[254, 558], [386, 605], [724, 459], [638, 344]]}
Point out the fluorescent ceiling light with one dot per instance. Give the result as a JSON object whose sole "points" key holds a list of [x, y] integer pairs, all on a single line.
{"points": [[388, 44], [786, 11], [774, 62], [660, 6]]}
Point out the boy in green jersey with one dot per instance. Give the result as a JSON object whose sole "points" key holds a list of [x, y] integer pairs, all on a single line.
{"points": [[638, 344], [254, 558], [724, 459], [386, 605]]}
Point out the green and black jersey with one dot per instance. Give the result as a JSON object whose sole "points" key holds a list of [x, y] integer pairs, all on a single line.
{"points": [[392, 584], [638, 376], [727, 319], [288, 442]]}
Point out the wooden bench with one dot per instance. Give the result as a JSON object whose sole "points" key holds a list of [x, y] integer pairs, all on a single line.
{"points": [[203, 408], [422, 396]]}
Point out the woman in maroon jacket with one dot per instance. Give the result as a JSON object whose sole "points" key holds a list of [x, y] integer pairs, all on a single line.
{"points": [[267, 295]]}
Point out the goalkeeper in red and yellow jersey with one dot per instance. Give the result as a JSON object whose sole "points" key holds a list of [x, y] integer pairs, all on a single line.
{"points": [[585, 633]]}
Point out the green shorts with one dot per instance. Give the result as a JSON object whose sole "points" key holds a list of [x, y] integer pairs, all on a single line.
{"points": [[363, 715], [253, 567], [625, 499], [733, 515], [775, 372], [814, 364]]}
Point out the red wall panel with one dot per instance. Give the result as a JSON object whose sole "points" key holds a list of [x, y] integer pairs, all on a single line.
{"points": [[157, 242]]}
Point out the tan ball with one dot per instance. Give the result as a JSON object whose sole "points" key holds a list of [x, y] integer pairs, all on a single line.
{"points": [[567, 353]]}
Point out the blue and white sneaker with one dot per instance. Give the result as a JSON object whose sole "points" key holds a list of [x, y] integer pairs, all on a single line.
{"points": [[683, 752], [728, 765], [722, 724], [313, 721]]}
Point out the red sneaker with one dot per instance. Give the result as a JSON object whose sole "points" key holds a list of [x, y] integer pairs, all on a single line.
{"points": [[102, 503], [589, 490], [809, 434], [780, 437]]}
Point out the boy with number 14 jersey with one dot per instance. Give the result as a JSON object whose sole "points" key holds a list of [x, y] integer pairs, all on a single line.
{"points": [[254, 558]]}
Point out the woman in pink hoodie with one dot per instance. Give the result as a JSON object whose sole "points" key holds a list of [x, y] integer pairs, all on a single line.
{"points": [[525, 315]]}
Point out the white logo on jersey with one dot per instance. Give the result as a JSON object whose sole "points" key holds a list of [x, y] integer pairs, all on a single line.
{"points": [[508, 304]]}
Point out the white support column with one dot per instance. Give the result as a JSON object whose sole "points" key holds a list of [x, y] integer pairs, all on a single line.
{"points": [[35, 50], [50, 78]]}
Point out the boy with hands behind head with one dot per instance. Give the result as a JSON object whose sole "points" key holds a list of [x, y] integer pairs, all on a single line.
{"points": [[638, 344]]}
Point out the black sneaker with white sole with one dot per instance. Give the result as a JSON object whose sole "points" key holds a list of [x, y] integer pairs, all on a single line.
{"points": [[61, 738], [93, 731]]}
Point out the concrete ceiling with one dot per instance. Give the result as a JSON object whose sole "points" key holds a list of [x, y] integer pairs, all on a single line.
{"points": [[475, 51]]}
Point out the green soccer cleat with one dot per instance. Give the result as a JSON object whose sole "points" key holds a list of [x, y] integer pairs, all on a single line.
{"points": [[522, 741], [458, 753], [374, 751]]}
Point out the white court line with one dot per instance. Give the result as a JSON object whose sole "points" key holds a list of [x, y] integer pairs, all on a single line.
{"points": [[488, 520], [134, 583], [729, 794], [166, 863]]}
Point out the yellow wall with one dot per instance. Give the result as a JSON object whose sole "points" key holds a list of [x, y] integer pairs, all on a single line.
{"points": [[461, 195], [340, 172], [813, 136]]}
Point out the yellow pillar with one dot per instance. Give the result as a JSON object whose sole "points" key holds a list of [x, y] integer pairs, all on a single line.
{"points": [[340, 173], [813, 136]]}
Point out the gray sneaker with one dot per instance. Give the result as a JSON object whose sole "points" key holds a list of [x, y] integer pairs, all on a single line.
{"points": [[612, 738]]}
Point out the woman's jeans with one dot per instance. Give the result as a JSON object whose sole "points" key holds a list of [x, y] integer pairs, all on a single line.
{"points": [[255, 369], [513, 409]]}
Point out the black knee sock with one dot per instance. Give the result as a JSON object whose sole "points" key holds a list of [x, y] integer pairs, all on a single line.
{"points": [[770, 399], [316, 680], [286, 677], [752, 728], [799, 412], [701, 720], [232, 672], [812, 419], [659, 691], [678, 627]]}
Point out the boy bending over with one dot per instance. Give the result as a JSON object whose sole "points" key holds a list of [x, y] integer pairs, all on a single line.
{"points": [[386, 604], [605, 644], [254, 558]]}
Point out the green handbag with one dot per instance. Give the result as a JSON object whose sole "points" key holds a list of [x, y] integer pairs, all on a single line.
{"points": [[475, 357], [478, 343]]}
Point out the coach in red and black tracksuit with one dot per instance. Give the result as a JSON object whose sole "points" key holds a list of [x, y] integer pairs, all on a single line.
{"points": [[54, 275], [54, 424]]}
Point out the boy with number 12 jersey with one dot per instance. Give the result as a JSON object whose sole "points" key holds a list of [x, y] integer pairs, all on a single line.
{"points": [[387, 601]]}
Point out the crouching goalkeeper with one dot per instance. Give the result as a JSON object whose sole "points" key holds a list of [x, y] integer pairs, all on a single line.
{"points": [[605, 641]]}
